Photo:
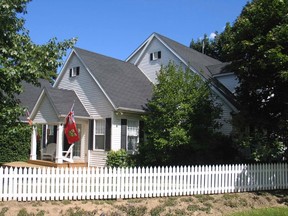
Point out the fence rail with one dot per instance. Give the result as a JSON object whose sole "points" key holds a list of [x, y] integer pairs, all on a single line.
{"points": [[26, 184]]}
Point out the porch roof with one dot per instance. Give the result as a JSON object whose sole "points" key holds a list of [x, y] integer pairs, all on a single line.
{"points": [[61, 101]]}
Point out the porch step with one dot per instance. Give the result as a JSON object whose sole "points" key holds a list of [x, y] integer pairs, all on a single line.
{"points": [[97, 158]]}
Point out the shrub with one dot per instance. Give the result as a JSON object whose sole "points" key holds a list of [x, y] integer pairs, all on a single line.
{"points": [[119, 158]]}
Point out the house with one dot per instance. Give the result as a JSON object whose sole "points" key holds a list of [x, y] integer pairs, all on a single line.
{"points": [[109, 96]]}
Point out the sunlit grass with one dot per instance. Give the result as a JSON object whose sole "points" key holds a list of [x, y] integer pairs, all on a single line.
{"points": [[277, 211]]}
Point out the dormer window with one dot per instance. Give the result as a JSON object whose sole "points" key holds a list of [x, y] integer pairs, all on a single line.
{"points": [[155, 55], [75, 71]]}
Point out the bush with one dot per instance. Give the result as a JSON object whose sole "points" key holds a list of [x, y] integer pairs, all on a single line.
{"points": [[119, 158], [15, 143]]}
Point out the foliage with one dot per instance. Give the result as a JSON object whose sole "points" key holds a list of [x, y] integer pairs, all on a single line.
{"points": [[21, 60], [256, 45], [258, 148], [15, 143], [275, 211], [258, 50], [119, 158], [181, 118], [217, 47]]}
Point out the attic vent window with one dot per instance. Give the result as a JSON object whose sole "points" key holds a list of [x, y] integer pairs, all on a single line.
{"points": [[75, 71], [155, 55]]}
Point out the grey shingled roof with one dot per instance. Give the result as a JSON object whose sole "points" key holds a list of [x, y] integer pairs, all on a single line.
{"points": [[30, 94], [63, 100], [207, 65], [193, 58], [219, 68], [123, 82]]}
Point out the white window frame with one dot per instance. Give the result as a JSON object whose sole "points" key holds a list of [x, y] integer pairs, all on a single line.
{"points": [[73, 71], [155, 55], [132, 131], [101, 123]]}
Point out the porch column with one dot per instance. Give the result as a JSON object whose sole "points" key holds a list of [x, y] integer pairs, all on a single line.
{"points": [[59, 144], [33, 155]]}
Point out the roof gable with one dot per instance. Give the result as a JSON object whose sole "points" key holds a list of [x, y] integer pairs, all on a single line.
{"points": [[125, 85], [58, 102]]}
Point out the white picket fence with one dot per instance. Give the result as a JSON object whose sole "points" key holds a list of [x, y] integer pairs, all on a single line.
{"points": [[24, 184]]}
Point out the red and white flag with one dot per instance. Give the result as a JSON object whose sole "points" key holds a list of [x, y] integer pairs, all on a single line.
{"points": [[70, 130]]}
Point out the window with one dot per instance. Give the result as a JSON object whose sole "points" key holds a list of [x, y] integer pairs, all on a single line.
{"points": [[155, 56], [132, 135], [75, 71], [100, 134]]}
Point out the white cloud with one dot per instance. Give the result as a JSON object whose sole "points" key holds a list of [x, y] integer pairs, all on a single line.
{"points": [[212, 36]]}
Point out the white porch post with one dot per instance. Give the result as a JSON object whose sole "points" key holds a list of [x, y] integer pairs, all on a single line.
{"points": [[33, 155], [59, 144]]}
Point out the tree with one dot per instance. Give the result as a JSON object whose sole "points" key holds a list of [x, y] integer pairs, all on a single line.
{"points": [[259, 54], [181, 118], [217, 47], [21, 60]]}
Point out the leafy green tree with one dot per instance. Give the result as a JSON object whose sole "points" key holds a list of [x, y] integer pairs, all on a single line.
{"points": [[21, 60], [259, 54], [217, 47], [181, 118]]}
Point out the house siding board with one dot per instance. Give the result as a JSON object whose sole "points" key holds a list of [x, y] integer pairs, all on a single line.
{"points": [[86, 88], [150, 68], [226, 118], [229, 81], [46, 112], [116, 133]]}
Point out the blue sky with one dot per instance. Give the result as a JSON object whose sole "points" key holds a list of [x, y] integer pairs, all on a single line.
{"points": [[117, 27]]}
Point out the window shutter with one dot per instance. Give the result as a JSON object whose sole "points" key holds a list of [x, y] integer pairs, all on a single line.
{"points": [[44, 128], [77, 71], [70, 72], [151, 56], [123, 133], [108, 134], [91, 134], [141, 132], [55, 133], [159, 54]]}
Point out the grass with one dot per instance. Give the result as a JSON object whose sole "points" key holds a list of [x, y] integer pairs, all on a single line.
{"points": [[277, 211]]}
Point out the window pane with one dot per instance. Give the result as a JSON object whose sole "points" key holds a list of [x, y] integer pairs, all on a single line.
{"points": [[77, 145], [99, 141], [132, 128], [100, 127], [132, 143]]}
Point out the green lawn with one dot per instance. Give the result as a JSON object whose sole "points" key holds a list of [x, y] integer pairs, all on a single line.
{"points": [[279, 211]]}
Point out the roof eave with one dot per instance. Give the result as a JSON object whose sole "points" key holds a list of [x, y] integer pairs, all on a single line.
{"points": [[131, 110]]}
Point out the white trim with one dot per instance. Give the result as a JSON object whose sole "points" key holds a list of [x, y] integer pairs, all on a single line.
{"points": [[119, 109], [147, 43], [224, 74], [62, 69], [88, 70], [37, 105]]}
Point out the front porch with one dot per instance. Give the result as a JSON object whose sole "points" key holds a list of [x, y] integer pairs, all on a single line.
{"points": [[42, 163]]}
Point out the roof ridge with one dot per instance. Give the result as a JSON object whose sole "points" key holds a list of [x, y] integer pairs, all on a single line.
{"points": [[186, 47], [105, 56]]}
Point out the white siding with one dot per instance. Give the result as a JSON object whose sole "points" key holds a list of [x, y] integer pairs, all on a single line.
{"points": [[226, 118], [150, 68], [116, 128], [87, 90], [230, 81], [46, 113]]}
